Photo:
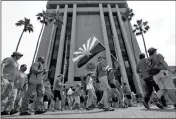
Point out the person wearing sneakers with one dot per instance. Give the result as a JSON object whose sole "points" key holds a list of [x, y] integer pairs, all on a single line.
{"points": [[90, 89], [149, 82], [21, 87], [58, 87], [36, 77], [9, 73], [163, 77], [113, 86], [102, 76]]}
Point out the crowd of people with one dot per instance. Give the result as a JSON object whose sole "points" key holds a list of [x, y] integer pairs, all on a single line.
{"points": [[103, 89]]}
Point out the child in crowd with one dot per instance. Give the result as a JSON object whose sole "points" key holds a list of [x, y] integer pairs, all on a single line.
{"points": [[77, 95], [82, 98], [70, 93], [127, 94], [48, 95]]}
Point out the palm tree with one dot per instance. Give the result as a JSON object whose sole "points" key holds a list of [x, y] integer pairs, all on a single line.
{"points": [[127, 16], [57, 18], [44, 18], [140, 28], [28, 27]]}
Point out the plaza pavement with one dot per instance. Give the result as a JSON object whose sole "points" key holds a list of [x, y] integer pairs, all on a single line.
{"points": [[132, 112]]}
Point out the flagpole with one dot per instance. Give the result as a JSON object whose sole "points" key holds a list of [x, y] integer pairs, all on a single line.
{"points": [[105, 47]]}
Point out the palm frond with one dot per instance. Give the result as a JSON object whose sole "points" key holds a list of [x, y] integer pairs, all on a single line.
{"points": [[145, 23]]}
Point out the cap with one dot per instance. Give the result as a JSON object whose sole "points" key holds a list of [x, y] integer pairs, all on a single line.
{"points": [[17, 54], [41, 58], [59, 75], [151, 50], [101, 57]]}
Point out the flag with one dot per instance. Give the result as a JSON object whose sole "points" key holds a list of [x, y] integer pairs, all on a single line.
{"points": [[87, 51]]}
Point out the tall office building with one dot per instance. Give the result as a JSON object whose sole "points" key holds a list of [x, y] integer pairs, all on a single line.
{"points": [[81, 20]]}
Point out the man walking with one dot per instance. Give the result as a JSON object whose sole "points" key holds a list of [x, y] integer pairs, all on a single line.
{"points": [[163, 77], [102, 76], [36, 77], [21, 87], [9, 73], [149, 82]]}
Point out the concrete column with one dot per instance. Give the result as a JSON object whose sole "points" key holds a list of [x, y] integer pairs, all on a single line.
{"points": [[61, 44], [118, 50], [50, 45], [105, 37], [130, 53], [72, 47]]}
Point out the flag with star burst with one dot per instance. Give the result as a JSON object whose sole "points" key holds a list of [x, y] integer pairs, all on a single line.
{"points": [[87, 51]]}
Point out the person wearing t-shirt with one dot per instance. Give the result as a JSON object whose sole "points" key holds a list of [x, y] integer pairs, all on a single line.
{"points": [[149, 82], [9, 73], [58, 86], [112, 83], [36, 77], [21, 87], [163, 79], [102, 76]]}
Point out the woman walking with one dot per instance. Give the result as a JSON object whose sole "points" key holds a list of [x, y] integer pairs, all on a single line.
{"points": [[90, 89]]}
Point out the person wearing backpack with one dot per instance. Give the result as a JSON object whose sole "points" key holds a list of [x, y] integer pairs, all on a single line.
{"points": [[161, 75], [36, 77], [142, 69]]}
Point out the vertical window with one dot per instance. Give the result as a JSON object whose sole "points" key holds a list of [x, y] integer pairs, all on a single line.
{"points": [[54, 54], [66, 54], [110, 39], [124, 53]]}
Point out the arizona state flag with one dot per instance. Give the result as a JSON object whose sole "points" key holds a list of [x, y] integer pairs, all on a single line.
{"points": [[87, 51]]}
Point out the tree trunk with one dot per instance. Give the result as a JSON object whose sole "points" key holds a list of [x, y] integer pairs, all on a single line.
{"points": [[36, 49], [144, 45], [132, 41], [19, 41]]}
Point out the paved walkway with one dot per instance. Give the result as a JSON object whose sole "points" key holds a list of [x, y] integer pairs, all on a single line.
{"points": [[132, 112]]}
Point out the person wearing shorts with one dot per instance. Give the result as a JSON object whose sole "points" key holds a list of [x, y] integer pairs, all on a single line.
{"points": [[9, 73], [163, 79], [58, 85], [112, 84]]}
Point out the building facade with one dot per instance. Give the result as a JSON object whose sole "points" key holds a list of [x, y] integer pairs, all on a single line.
{"points": [[81, 20]]}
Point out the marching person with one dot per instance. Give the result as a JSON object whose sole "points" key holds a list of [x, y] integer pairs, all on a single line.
{"points": [[163, 78], [102, 76], [36, 77], [90, 89], [22, 87], [149, 82], [113, 86], [58, 86], [9, 73]]}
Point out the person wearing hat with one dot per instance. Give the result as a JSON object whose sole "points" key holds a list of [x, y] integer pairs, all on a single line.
{"points": [[35, 77], [58, 86], [9, 73], [142, 69], [101, 73], [163, 78]]}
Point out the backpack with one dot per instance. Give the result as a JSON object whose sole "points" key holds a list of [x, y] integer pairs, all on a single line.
{"points": [[29, 74], [152, 67]]}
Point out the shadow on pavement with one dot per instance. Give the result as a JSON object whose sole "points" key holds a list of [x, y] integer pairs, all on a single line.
{"points": [[87, 112], [55, 113], [160, 110]]}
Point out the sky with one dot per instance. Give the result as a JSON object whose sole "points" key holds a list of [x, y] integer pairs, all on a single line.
{"points": [[159, 14]]}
